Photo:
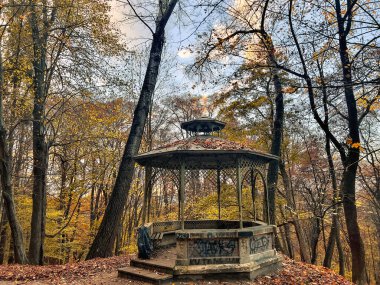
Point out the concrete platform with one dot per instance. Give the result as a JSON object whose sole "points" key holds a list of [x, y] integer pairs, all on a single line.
{"points": [[162, 268], [210, 249]]}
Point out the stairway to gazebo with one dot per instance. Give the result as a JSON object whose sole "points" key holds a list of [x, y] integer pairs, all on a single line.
{"points": [[157, 270]]}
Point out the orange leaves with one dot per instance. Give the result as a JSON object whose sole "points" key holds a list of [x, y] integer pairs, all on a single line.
{"points": [[294, 272], [62, 274], [355, 145], [289, 89]]}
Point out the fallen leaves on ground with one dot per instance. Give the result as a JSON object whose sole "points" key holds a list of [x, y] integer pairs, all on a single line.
{"points": [[294, 272], [97, 271], [68, 272]]}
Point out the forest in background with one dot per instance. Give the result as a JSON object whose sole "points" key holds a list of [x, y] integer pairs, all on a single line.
{"points": [[299, 79]]}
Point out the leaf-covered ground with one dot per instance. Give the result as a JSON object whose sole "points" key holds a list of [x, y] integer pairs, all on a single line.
{"points": [[103, 271]]}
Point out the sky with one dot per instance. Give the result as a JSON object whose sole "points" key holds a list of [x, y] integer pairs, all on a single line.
{"points": [[179, 35]]}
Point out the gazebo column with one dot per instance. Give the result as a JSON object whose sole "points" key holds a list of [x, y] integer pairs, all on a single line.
{"points": [[147, 194], [182, 194], [144, 204], [218, 189], [238, 189], [253, 191]]}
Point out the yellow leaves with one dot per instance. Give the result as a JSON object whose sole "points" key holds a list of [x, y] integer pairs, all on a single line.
{"points": [[373, 103], [305, 215], [358, 204]]}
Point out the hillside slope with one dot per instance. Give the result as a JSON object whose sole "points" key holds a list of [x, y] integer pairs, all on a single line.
{"points": [[103, 271]]}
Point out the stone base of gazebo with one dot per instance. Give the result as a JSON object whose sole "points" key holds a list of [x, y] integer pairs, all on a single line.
{"points": [[209, 249]]}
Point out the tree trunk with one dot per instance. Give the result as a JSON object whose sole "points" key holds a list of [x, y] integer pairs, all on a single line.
{"points": [[40, 146], [289, 240], [330, 244], [335, 227], [350, 213], [316, 232], [3, 234], [103, 243], [304, 253], [40, 162], [278, 122], [351, 162], [6, 182], [276, 143], [339, 246]]}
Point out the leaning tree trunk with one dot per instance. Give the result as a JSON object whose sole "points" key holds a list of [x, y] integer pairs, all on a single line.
{"points": [[6, 184], [278, 123], [103, 243]]}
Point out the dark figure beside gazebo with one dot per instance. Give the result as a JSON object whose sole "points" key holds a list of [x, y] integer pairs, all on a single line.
{"points": [[205, 248]]}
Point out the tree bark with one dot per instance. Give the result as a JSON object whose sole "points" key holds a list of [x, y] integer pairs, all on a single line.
{"points": [[278, 122], [103, 243], [335, 227], [316, 232], [288, 241], [276, 142], [351, 163], [6, 182], [3, 234], [304, 253], [40, 146]]}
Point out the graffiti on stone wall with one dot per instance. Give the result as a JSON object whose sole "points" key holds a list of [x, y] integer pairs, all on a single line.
{"points": [[259, 244], [213, 247], [216, 260]]}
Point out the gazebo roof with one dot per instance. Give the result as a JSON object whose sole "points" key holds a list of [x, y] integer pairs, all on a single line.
{"points": [[202, 152]]}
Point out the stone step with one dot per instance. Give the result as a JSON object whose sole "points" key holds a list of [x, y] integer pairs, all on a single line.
{"points": [[145, 275], [159, 265]]}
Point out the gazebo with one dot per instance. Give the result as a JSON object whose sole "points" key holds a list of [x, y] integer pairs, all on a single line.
{"points": [[186, 248]]}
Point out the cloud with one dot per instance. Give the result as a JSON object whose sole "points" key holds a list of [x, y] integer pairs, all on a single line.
{"points": [[185, 53]]}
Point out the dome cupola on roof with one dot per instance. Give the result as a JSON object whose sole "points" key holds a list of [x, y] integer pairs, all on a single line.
{"points": [[205, 125]]}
